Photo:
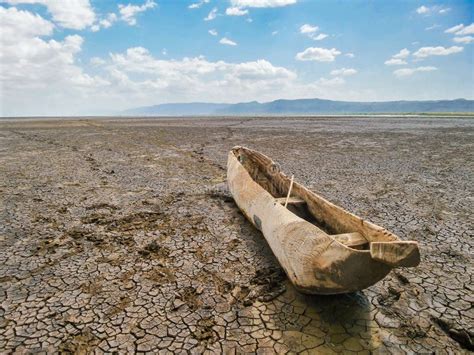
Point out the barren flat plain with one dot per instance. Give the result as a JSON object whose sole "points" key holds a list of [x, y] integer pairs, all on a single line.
{"points": [[118, 235]]}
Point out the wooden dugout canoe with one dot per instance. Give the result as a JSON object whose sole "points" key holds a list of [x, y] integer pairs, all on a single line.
{"points": [[323, 248]]}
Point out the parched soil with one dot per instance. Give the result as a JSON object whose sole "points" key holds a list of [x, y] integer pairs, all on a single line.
{"points": [[118, 235]]}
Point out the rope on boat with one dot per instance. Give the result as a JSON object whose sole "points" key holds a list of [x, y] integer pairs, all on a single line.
{"points": [[289, 191]]}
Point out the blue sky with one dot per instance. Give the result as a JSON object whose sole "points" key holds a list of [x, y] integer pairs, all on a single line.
{"points": [[90, 57]]}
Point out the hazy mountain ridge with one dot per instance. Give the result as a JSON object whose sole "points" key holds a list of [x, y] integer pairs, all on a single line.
{"points": [[302, 106]]}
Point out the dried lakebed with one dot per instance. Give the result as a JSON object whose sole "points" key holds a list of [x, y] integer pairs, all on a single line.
{"points": [[117, 235]]}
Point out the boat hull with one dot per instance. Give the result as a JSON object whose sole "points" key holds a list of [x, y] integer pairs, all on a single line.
{"points": [[314, 262]]}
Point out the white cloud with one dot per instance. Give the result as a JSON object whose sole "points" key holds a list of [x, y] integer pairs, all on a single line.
{"points": [[35, 71], [274, 33], [261, 70], [96, 61], [331, 82], [213, 32], [107, 22], [306, 29], [429, 10], [404, 53], [212, 15], [320, 37], [236, 11], [129, 12], [344, 72], [198, 4], [227, 41], [261, 3], [461, 30], [424, 52], [468, 30], [432, 27], [464, 40], [422, 10], [395, 61], [399, 58], [74, 14], [164, 51], [410, 71], [454, 28], [350, 55], [140, 60], [310, 31], [18, 24], [194, 78], [318, 54]]}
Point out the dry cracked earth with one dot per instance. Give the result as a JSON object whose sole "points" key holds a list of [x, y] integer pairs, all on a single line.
{"points": [[118, 235]]}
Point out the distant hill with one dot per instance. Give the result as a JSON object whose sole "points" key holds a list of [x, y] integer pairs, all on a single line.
{"points": [[302, 107]]}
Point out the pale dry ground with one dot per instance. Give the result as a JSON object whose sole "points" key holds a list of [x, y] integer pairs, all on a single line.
{"points": [[115, 235]]}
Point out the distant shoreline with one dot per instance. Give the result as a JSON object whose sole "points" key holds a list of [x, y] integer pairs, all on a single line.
{"points": [[355, 115]]}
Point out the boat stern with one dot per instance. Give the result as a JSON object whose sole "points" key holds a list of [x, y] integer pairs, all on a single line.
{"points": [[317, 264]]}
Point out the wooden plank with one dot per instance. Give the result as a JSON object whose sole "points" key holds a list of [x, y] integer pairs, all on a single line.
{"points": [[352, 240], [291, 200]]}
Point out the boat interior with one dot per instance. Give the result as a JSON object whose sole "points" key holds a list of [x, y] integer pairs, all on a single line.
{"points": [[298, 201]]}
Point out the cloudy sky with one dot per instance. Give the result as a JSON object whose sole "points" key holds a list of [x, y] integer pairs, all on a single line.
{"points": [[73, 57]]}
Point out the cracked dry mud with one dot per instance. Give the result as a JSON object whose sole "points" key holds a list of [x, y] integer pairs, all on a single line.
{"points": [[117, 235]]}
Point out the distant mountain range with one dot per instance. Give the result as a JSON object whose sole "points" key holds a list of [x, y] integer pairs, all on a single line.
{"points": [[302, 107]]}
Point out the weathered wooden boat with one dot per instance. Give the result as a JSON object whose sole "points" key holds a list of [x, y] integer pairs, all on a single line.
{"points": [[323, 248]]}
